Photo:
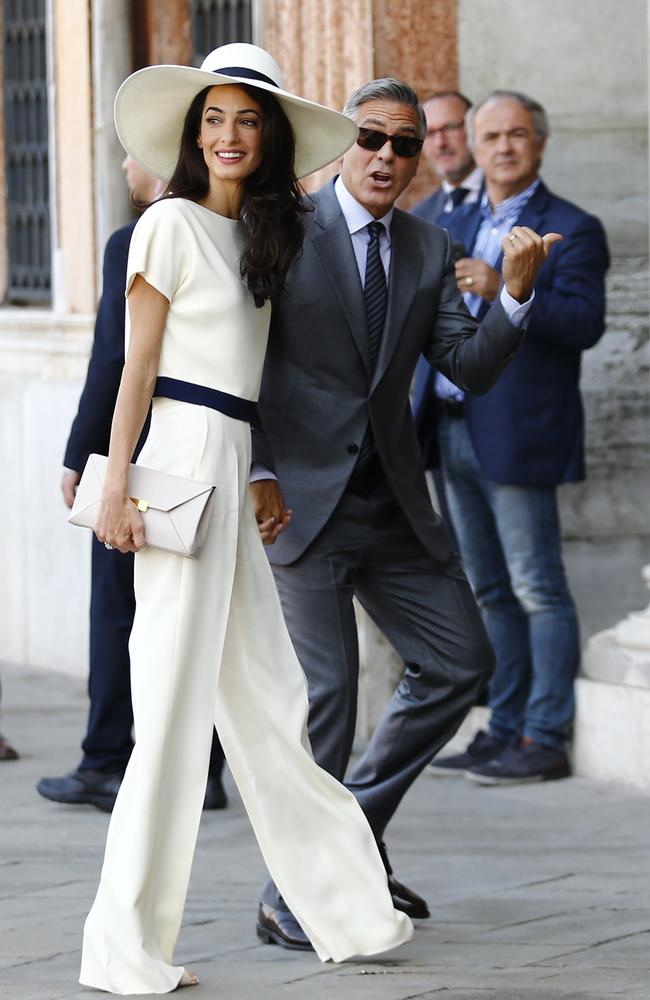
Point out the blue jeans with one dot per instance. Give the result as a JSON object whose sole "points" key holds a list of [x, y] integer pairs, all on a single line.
{"points": [[509, 538]]}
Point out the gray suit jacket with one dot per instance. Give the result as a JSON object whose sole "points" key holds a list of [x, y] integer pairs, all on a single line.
{"points": [[318, 391]]}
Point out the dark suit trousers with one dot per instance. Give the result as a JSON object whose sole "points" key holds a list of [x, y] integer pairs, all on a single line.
{"points": [[427, 612], [108, 742]]}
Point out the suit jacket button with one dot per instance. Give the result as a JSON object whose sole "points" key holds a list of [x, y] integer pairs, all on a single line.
{"points": [[353, 449]]}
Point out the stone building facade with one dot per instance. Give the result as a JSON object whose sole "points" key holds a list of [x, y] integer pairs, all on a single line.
{"points": [[583, 61]]}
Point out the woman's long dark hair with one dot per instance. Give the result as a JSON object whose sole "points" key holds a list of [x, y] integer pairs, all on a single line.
{"points": [[271, 211]]}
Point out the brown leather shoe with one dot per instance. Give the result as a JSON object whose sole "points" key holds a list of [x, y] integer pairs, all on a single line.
{"points": [[404, 899], [281, 927], [7, 752]]}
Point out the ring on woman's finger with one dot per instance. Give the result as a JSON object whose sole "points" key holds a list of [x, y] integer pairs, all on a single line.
{"points": [[512, 237], [469, 280], [107, 545]]}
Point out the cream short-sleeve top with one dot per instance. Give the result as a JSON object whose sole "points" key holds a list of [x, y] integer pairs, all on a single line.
{"points": [[214, 335]]}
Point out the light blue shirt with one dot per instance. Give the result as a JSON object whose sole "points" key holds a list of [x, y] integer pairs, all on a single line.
{"points": [[495, 225]]}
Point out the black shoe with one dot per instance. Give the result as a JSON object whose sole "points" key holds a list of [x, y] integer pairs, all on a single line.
{"points": [[215, 793], [7, 752], [404, 899], [522, 765], [281, 927], [484, 747], [94, 788]]}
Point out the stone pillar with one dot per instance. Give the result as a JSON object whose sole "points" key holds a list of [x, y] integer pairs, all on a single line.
{"points": [[161, 32], [417, 43], [612, 730], [327, 48], [112, 62], [74, 287], [324, 48]]}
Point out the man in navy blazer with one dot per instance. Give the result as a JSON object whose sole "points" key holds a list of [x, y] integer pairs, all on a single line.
{"points": [[108, 742], [504, 454]]}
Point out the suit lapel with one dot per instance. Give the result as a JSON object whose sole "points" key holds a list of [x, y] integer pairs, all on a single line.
{"points": [[334, 247], [405, 269], [534, 210], [463, 225]]}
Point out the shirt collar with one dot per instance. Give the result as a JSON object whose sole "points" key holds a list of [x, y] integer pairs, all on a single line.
{"points": [[356, 216], [472, 182], [511, 206]]}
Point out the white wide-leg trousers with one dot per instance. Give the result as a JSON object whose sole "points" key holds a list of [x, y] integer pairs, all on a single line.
{"points": [[209, 645]]}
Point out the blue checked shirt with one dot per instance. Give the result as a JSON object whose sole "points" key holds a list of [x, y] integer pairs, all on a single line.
{"points": [[487, 246]]}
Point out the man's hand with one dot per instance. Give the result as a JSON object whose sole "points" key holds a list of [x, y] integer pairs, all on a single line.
{"points": [[69, 485], [268, 505], [524, 252], [477, 277]]}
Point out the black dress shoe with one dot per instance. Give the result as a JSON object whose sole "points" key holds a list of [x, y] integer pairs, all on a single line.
{"points": [[7, 752], [281, 927], [404, 899], [94, 788], [215, 793]]}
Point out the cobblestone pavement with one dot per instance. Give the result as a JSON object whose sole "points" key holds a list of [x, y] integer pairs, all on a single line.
{"points": [[536, 892]]}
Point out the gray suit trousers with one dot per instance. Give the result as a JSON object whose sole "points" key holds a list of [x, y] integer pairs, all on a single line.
{"points": [[428, 613]]}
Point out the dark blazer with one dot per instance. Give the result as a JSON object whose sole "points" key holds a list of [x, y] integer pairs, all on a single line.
{"points": [[431, 208], [317, 388], [528, 430], [91, 428]]}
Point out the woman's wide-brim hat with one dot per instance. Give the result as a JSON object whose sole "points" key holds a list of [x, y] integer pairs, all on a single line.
{"points": [[151, 105]]}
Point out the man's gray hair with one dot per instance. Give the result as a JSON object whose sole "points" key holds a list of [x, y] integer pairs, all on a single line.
{"points": [[386, 89], [540, 118]]}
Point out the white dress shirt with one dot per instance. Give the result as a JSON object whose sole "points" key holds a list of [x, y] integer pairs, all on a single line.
{"points": [[473, 183]]}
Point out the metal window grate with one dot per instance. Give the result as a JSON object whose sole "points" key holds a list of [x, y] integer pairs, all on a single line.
{"points": [[217, 22], [26, 151]]}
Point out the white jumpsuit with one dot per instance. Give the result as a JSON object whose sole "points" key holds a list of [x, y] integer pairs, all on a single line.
{"points": [[209, 645]]}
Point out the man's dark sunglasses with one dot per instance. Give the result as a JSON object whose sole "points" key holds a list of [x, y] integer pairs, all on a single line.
{"points": [[403, 145]]}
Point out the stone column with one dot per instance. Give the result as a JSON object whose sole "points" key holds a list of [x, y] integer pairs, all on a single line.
{"points": [[418, 43], [74, 284], [612, 729], [161, 32], [112, 63], [324, 48], [327, 48]]}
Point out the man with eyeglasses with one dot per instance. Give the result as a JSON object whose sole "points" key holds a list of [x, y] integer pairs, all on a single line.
{"points": [[446, 150], [503, 454], [373, 289]]}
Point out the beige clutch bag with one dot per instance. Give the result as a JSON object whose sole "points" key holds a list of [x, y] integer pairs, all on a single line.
{"points": [[175, 511]]}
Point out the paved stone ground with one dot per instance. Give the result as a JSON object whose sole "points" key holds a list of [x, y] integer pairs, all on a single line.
{"points": [[536, 892]]}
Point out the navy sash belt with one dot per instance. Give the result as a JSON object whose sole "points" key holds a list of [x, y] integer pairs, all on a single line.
{"points": [[201, 395]]}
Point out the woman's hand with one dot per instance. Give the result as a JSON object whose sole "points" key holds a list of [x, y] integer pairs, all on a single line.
{"points": [[119, 524]]}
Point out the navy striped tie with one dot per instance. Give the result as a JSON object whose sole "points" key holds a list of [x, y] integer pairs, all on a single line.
{"points": [[375, 292]]}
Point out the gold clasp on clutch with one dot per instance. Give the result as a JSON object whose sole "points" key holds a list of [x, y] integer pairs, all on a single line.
{"points": [[142, 505]]}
